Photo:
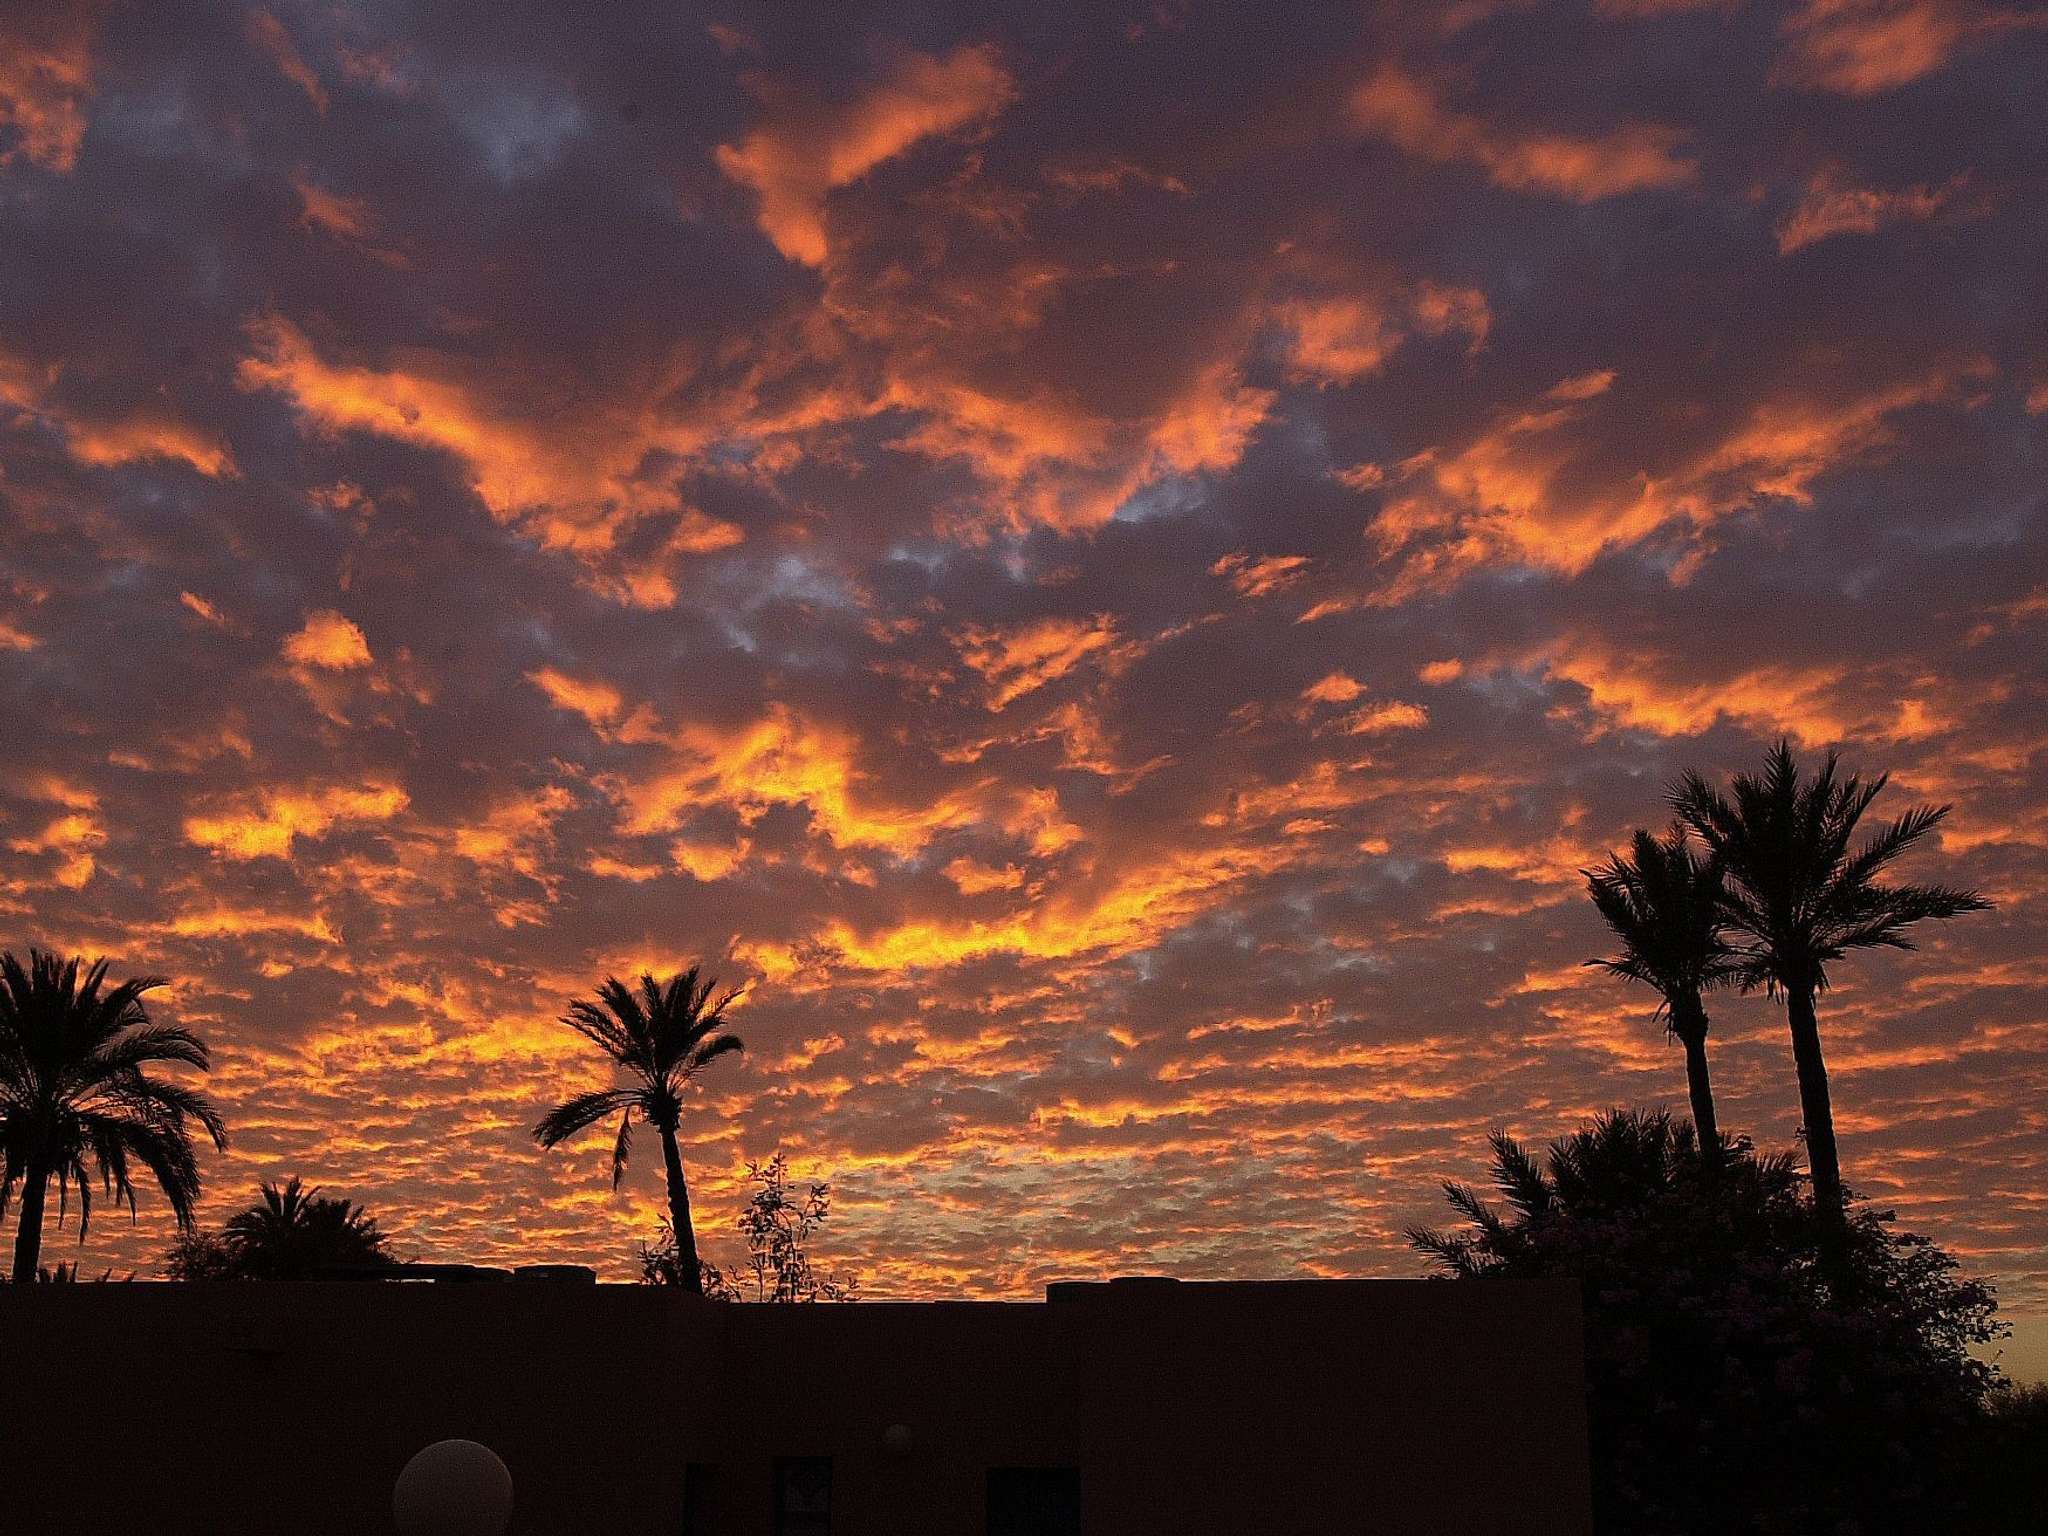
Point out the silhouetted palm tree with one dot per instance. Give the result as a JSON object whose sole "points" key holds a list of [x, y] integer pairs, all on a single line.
{"points": [[1663, 901], [75, 1100], [661, 1036], [291, 1232], [1800, 897], [1626, 1162]]}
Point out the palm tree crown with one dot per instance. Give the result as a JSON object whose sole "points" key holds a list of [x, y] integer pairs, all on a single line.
{"points": [[1663, 900], [75, 1100], [293, 1231], [1801, 894], [661, 1036]]}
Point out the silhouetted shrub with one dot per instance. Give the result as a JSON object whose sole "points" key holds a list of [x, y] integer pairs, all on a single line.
{"points": [[2010, 1476], [777, 1224], [290, 1233], [1739, 1378]]}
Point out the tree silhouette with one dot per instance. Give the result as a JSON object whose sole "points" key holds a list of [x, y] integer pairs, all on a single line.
{"points": [[290, 1233], [661, 1265], [776, 1224], [1799, 896], [1663, 901], [75, 1099], [1731, 1385], [661, 1037]]}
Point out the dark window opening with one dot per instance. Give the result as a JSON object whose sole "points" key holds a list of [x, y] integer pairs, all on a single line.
{"points": [[803, 1496], [1034, 1501]]}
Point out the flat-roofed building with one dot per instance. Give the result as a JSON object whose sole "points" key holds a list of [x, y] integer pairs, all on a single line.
{"points": [[1123, 1408]]}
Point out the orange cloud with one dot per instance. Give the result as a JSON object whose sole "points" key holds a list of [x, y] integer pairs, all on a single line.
{"points": [[973, 878], [147, 435], [45, 82], [72, 838], [1130, 909], [596, 701], [327, 642], [148, 431], [1375, 719], [1632, 158], [1867, 47], [1497, 498], [1261, 576], [1337, 340], [784, 758], [1815, 704], [1020, 659], [267, 823], [807, 149], [574, 489], [509, 835], [1336, 688], [269, 34], [1054, 463], [1206, 429], [228, 922], [346, 217], [709, 862], [1830, 207]]}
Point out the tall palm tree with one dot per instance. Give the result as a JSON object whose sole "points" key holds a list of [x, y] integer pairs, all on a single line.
{"points": [[660, 1037], [293, 1231], [75, 1099], [1663, 901], [1800, 897]]}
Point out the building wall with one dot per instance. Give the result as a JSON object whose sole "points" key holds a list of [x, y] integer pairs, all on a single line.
{"points": [[1293, 1407]]}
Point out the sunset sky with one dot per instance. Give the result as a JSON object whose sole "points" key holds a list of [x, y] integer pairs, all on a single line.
{"points": [[1113, 560]]}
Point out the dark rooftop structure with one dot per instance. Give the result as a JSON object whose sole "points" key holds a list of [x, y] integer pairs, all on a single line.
{"points": [[1117, 1409]]}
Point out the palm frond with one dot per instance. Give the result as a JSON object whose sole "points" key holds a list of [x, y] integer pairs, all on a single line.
{"points": [[622, 1148], [710, 1050], [573, 1116]]}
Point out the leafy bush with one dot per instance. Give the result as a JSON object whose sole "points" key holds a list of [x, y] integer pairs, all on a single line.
{"points": [[1746, 1370]]}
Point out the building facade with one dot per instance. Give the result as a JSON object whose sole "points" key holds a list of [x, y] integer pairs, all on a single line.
{"points": [[1125, 1408]]}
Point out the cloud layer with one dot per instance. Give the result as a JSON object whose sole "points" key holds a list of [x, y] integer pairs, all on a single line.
{"points": [[1115, 575]]}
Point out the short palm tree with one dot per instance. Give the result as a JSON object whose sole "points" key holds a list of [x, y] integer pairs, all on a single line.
{"points": [[76, 1100], [293, 1232], [1799, 897], [1663, 901], [660, 1036]]}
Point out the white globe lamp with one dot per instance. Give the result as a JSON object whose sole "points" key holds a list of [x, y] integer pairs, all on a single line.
{"points": [[453, 1488]]}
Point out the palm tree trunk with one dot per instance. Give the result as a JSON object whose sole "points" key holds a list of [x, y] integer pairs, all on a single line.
{"points": [[679, 1214], [1689, 1023], [28, 1224], [1815, 1110]]}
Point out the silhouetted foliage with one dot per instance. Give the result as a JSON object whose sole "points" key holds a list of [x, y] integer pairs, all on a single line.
{"points": [[198, 1255], [1735, 1382], [290, 1233], [777, 1224], [660, 1265], [68, 1274], [661, 1037], [76, 1103], [2010, 1475], [1799, 896], [1663, 899]]}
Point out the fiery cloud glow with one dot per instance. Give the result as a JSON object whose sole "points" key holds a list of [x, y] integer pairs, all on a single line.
{"points": [[1114, 576]]}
